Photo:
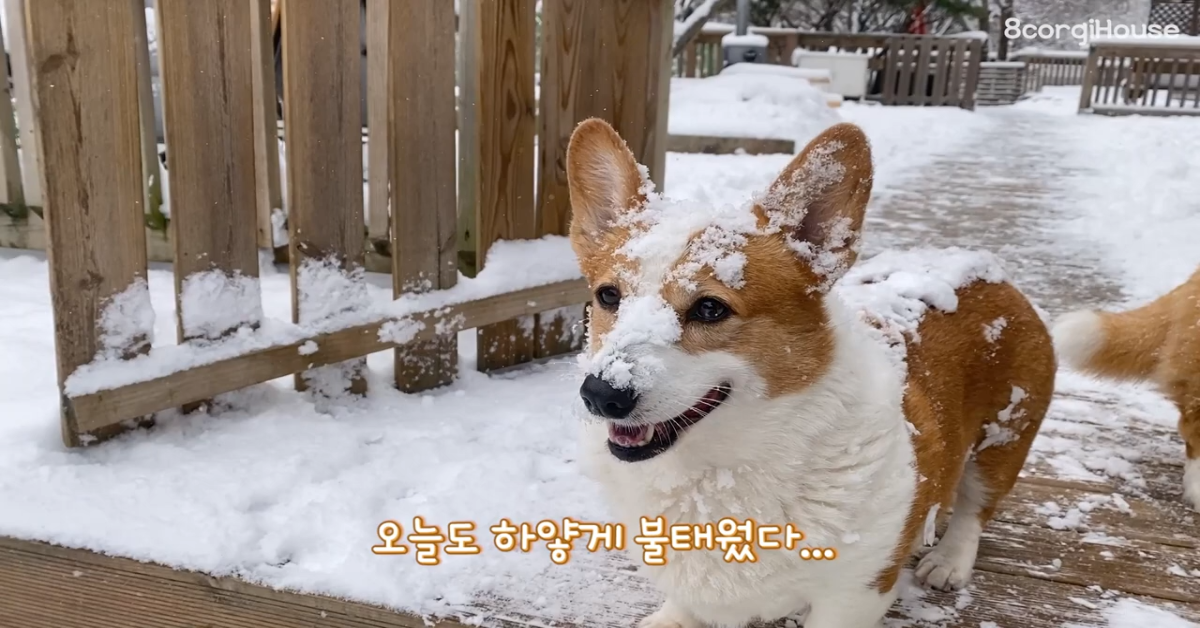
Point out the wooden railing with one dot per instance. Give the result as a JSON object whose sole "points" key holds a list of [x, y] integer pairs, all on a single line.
{"points": [[1147, 78], [1051, 67], [85, 65], [923, 70]]}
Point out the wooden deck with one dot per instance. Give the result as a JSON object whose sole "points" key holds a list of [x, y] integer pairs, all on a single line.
{"points": [[1128, 538], [1028, 575]]}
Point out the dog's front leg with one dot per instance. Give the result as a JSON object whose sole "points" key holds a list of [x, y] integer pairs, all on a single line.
{"points": [[671, 615], [863, 608]]}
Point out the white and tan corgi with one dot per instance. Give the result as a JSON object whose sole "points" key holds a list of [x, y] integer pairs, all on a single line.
{"points": [[1158, 342], [730, 376]]}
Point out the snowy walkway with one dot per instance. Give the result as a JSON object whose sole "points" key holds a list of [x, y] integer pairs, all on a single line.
{"points": [[1086, 211]]}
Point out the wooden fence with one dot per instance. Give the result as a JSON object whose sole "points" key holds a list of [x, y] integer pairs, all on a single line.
{"points": [[1130, 77], [1051, 67], [902, 69], [82, 68]]}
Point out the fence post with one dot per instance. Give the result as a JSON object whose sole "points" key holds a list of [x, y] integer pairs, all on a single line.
{"points": [[11, 190], [85, 90], [323, 129], [584, 45], [496, 180], [421, 157], [1089, 79], [18, 46], [208, 106], [378, 137], [267, 188], [975, 58]]}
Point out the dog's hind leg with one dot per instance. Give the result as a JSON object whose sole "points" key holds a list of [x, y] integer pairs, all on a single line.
{"points": [[1189, 427], [948, 565], [992, 468]]}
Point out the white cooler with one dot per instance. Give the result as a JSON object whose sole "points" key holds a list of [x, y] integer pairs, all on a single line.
{"points": [[849, 69]]}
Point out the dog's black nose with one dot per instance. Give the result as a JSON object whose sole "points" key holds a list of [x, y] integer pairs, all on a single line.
{"points": [[604, 400]]}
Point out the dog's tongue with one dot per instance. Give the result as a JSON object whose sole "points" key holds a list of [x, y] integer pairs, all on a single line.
{"points": [[629, 436]]}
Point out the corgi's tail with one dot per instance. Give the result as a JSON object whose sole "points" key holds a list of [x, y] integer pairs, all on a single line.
{"points": [[1116, 345]]}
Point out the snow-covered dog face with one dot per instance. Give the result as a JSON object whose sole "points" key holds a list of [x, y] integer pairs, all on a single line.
{"points": [[697, 311]]}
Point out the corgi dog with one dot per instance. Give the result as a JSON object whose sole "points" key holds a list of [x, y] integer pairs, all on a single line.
{"points": [[1158, 342], [740, 365]]}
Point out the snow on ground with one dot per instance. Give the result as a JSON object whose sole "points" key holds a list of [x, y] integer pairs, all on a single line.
{"points": [[274, 488], [1148, 218]]}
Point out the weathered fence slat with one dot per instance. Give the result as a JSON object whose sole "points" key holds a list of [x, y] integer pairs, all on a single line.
{"points": [[151, 174], [971, 82], [12, 191], [921, 72], [496, 146], [208, 108], [424, 221], [268, 191], [18, 52], [85, 90], [906, 49], [378, 133], [956, 73], [322, 98]]}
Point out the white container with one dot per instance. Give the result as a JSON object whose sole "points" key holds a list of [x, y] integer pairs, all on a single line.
{"points": [[849, 69]]}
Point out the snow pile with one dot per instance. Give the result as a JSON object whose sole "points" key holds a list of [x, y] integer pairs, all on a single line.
{"points": [[126, 322], [892, 291], [749, 105], [214, 302], [1130, 613]]}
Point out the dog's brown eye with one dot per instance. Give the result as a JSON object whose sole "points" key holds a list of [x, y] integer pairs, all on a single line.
{"points": [[608, 297], [709, 310]]}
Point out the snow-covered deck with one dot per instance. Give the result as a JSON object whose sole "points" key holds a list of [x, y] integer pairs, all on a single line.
{"points": [[263, 510]]}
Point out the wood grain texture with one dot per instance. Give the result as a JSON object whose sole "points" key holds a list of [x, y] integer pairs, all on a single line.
{"points": [[86, 103], [107, 407], [14, 11], [323, 117], [422, 119], [496, 148], [208, 114], [267, 187], [608, 59]]}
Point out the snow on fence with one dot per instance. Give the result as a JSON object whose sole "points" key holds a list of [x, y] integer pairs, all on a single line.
{"points": [[1145, 77], [85, 67], [903, 69]]}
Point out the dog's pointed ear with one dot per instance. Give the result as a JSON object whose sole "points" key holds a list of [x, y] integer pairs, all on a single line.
{"points": [[603, 178], [820, 199]]}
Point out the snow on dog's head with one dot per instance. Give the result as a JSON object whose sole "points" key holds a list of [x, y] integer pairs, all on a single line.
{"points": [[697, 308]]}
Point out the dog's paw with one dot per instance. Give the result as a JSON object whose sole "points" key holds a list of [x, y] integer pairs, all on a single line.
{"points": [[670, 616], [944, 571]]}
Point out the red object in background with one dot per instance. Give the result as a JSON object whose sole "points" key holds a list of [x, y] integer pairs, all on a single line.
{"points": [[916, 25]]}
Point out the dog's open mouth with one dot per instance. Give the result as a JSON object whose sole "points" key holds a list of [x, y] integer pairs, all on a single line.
{"points": [[634, 443]]}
